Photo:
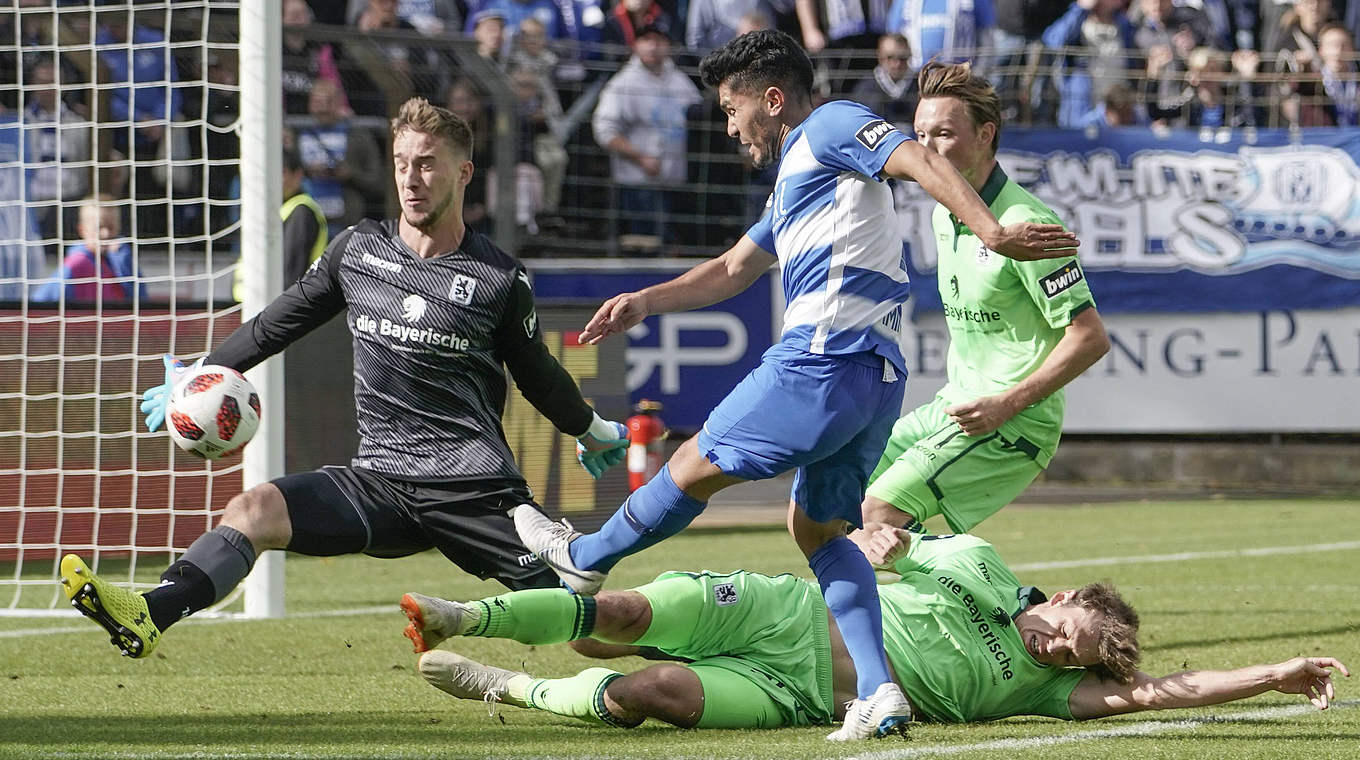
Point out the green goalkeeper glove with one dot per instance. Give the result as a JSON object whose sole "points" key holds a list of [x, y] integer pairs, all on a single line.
{"points": [[155, 401], [602, 446]]}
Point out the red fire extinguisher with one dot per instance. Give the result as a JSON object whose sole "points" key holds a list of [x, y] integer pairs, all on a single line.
{"points": [[646, 448]]}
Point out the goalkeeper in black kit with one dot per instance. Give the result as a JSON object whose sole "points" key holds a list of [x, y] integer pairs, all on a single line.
{"points": [[438, 313]]}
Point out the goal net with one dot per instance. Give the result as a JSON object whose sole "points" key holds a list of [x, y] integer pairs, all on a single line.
{"points": [[119, 233]]}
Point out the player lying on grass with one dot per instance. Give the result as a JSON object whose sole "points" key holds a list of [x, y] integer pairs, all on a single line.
{"points": [[433, 468], [965, 640]]}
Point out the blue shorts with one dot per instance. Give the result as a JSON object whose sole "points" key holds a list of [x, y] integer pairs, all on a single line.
{"points": [[827, 416]]}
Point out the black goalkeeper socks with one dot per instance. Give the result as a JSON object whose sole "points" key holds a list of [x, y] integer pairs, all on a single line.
{"points": [[214, 564], [184, 590]]}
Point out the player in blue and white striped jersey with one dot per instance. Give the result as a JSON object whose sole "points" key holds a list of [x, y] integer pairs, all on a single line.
{"points": [[824, 398]]}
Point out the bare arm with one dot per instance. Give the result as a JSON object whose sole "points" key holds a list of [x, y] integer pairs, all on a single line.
{"points": [[1082, 344], [1309, 676], [708, 283], [814, 39], [1024, 241]]}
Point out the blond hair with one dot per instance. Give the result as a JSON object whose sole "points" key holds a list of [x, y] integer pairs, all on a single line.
{"points": [[419, 115], [1117, 640], [957, 80]]}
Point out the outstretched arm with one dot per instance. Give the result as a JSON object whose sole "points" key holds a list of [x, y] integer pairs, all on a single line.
{"points": [[708, 283], [1024, 241], [1309, 676]]}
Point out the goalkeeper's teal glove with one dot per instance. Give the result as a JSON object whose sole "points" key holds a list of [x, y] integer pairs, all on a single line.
{"points": [[156, 400], [604, 445]]}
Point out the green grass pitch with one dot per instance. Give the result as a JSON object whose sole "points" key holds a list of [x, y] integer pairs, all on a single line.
{"points": [[1218, 584]]}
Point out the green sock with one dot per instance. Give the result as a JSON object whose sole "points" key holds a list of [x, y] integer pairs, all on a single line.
{"points": [[581, 696], [535, 616]]}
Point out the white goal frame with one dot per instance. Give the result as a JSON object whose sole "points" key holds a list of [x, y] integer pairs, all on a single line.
{"points": [[259, 127]]}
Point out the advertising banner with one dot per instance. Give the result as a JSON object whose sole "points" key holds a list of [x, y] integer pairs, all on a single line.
{"points": [[1186, 221], [687, 361], [1272, 371]]}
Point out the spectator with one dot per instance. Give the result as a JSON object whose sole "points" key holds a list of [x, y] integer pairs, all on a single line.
{"points": [[154, 100], [1119, 108], [304, 59], [713, 22], [1019, 24], [1166, 33], [892, 91], [57, 135], [841, 24], [1201, 101], [103, 261], [149, 108], [1329, 96], [1102, 29], [944, 30], [431, 18], [411, 63], [488, 30], [628, 16], [304, 226], [1178, 27], [1222, 20], [529, 50], [548, 12], [640, 120], [1296, 35], [466, 100], [539, 116], [844, 31], [341, 159]]}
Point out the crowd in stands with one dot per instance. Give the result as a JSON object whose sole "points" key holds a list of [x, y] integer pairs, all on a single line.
{"points": [[611, 134]]}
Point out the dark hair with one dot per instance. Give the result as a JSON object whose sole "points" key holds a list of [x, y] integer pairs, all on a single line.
{"points": [[757, 60], [957, 80], [1118, 635], [292, 160]]}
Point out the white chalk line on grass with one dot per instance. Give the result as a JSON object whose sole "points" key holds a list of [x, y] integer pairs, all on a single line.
{"points": [[1144, 728], [1263, 551]]}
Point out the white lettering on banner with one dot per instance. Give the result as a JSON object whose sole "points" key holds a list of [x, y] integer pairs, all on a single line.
{"points": [[1168, 210], [669, 355], [1268, 371]]}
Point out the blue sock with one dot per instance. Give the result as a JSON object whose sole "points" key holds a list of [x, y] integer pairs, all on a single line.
{"points": [[655, 512], [851, 593]]}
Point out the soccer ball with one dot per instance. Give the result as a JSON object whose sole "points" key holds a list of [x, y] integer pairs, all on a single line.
{"points": [[213, 412]]}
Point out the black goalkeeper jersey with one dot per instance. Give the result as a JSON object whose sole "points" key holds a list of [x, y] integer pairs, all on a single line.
{"points": [[432, 339]]}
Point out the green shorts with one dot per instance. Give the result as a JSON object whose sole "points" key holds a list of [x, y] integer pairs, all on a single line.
{"points": [[770, 631], [931, 468]]}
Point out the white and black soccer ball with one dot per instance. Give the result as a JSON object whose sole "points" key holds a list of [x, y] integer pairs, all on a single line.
{"points": [[213, 412]]}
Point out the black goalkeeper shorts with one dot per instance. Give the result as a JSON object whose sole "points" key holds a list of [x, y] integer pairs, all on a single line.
{"points": [[349, 510]]}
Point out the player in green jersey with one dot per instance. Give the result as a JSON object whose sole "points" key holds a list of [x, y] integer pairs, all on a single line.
{"points": [[966, 642], [1019, 332]]}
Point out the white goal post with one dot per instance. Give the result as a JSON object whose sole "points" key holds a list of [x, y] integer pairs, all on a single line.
{"points": [[126, 102]]}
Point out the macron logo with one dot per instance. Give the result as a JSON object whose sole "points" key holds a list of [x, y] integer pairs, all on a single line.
{"points": [[386, 266], [871, 135]]}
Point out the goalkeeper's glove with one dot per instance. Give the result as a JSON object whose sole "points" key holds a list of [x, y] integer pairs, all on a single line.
{"points": [[156, 400], [602, 446]]}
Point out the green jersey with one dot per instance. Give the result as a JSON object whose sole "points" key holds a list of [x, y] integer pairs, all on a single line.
{"points": [[1005, 316], [948, 630]]}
